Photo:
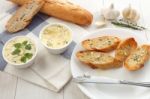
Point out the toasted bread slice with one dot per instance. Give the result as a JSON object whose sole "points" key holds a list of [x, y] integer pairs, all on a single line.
{"points": [[23, 16], [124, 48], [137, 58], [104, 43], [97, 59]]}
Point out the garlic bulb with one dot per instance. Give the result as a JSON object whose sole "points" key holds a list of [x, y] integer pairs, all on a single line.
{"points": [[130, 14], [110, 13]]}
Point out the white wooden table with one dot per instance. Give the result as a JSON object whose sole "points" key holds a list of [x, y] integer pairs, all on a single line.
{"points": [[14, 88]]}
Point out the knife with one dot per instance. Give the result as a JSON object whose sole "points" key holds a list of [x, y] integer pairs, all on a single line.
{"points": [[105, 80]]}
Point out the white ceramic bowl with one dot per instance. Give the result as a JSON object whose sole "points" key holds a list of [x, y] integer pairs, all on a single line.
{"points": [[56, 50], [22, 65]]}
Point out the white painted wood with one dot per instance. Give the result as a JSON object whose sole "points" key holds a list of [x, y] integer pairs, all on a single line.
{"points": [[26, 90], [8, 85], [71, 91], [145, 6], [143, 13], [119, 5], [91, 5]]}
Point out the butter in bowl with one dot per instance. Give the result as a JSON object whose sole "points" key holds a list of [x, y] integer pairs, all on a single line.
{"points": [[56, 37], [20, 51]]}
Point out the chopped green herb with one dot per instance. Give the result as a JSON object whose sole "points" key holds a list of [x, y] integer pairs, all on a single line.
{"points": [[28, 55], [28, 47], [23, 59], [17, 45], [22, 46], [24, 42], [16, 51], [109, 42], [65, 42]]}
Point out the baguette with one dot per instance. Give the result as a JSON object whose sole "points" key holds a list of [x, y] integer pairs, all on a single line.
{"points": [[136, 60], [65, 10], [104, 43], [96, 59], [124, 48], [23, 16]]}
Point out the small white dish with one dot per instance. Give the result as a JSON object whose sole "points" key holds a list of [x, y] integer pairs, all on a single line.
{"points": [[55, 50], [29, 62]]}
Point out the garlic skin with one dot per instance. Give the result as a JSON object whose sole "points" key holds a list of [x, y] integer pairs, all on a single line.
{"points": [[130, 14], [110, 13]]}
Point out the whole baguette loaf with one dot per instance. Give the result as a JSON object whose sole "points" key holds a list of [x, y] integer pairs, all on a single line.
{"points": [[103, 43], [65, 10], [96, 59], [137, 59], [23, 16]]}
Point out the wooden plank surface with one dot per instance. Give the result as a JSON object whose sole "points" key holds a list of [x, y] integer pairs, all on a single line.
{"points": [[26, 90], [8, 86], [71, 91], [145, 6]]}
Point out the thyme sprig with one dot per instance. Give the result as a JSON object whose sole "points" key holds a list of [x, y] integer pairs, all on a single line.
{"points": [[128, 24]]}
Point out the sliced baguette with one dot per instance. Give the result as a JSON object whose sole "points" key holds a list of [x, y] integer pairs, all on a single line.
{"points": [[104, 43], [124, 48], [23, 16], [137, 58], [97, 59]]}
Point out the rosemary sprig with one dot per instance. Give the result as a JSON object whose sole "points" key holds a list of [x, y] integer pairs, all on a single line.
{"points": [[128, 24]]}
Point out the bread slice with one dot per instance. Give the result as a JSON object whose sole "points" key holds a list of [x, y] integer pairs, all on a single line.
{"points": [[97, 59], [137, 58], [104, 43], [23, 16], [124, 48]]}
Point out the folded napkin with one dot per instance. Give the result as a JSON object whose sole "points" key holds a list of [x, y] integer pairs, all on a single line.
{"points": [[50, 71]]}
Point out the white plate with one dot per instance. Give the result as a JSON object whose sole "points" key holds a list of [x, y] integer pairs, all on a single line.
{"points": [[102, 91]]}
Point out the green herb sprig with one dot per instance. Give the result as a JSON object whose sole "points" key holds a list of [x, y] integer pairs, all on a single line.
{"points": [[128, 24]]}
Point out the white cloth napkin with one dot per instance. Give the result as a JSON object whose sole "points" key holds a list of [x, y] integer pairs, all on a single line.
{"points": [[50, 71]]}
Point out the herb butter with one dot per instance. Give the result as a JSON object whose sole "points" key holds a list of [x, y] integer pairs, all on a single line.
{"points": [[19, 50], [56, 36]]}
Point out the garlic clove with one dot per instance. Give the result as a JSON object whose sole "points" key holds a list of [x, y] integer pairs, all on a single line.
{"points": [[132, 14], [136, 18], [126, 12], [100, 24]]}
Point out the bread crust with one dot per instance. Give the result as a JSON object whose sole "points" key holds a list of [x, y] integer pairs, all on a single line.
{"points": [[140, 56], [23, 16], [124, 48], [112, 63], [96, 44], [65, 10]]}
